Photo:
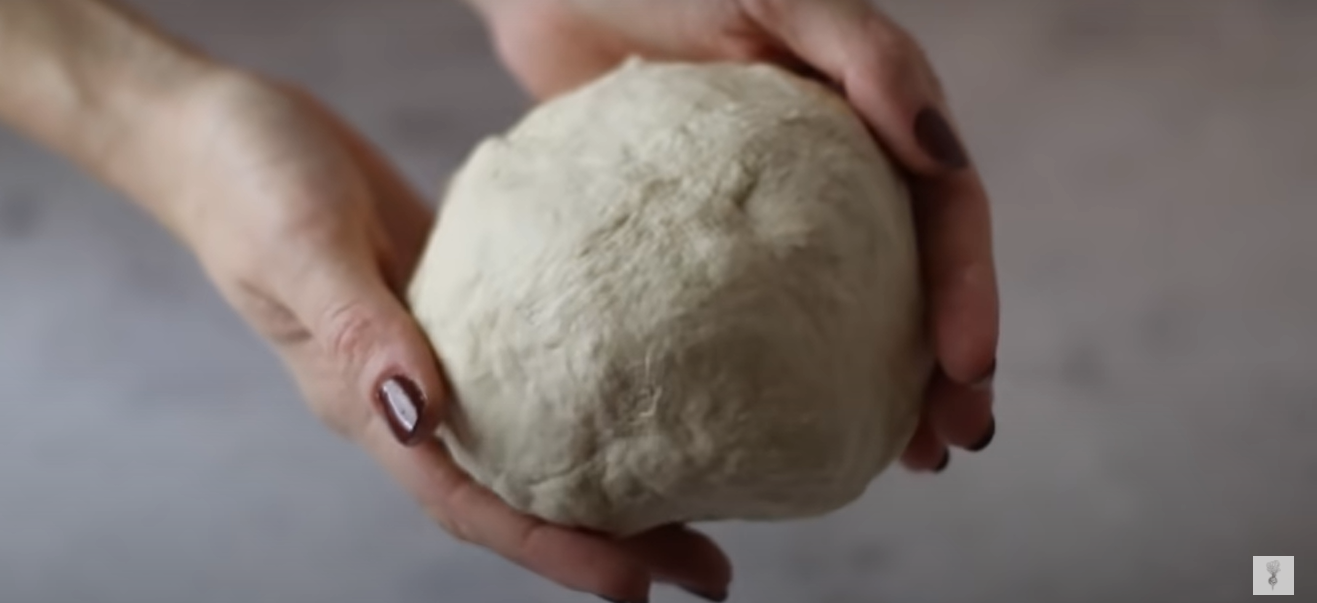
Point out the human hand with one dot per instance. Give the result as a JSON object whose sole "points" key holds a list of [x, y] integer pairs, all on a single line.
{"points": [[312, 237], [555, 45]]}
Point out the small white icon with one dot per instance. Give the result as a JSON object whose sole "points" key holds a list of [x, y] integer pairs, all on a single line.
{"points": [[1273, 575]]}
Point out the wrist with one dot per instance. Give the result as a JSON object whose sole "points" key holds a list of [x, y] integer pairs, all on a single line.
{"points": [[199, 135], [132, 122], [93, 82], [143, 132]]}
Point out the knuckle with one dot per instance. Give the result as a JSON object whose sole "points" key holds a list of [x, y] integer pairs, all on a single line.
{"points": [[527, 540], [460, 532], [448, 511], [453, 527], [890, 51], [350, 333]]}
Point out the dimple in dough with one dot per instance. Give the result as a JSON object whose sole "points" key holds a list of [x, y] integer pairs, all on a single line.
{"points": [[680, 293]]}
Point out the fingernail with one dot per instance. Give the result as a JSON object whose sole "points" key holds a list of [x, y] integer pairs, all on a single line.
{"points": [[402, 403], [985, 382], [718, 598], [986, 439], [938, 139], [946, 460]]}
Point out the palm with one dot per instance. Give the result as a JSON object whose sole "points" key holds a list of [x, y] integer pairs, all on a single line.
{"points": [[308, 202], [274, 189]]}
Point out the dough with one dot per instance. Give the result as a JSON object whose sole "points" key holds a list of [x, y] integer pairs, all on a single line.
{"points": [[679, 293]]}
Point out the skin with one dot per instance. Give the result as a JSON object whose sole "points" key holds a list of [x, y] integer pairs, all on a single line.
{"points": [[310, 235]]}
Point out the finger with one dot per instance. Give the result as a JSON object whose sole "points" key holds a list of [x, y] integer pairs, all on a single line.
{"points": [[925, 452], [679, 555], [882, 70], [554, 68], [955, 237], [572, 558], [887, 78], [961, 415], [364, 330]]}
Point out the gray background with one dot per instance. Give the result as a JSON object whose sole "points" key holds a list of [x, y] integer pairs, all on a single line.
{"points": [[1152, 165]]}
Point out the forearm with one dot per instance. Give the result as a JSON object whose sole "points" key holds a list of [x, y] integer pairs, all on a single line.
{"points": [[90, 81]]}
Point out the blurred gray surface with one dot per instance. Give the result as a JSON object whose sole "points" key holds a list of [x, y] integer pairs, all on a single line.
{"points": [[1154, 168]]}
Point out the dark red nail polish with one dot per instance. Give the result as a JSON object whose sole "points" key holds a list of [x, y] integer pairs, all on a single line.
{"points": [[986, 439], [402, 403], [937, 138], [946, 460], [716, 598]]}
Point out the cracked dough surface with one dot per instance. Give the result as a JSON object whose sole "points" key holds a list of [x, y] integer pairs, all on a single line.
{"points": [[679, 293]]}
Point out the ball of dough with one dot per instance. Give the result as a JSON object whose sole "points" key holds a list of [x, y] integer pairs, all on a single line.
{"points": [[680, 293]]}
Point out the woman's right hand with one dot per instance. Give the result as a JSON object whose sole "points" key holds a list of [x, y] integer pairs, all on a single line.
{"points": [[312, 237]]}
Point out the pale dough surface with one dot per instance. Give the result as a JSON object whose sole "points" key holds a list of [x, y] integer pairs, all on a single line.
{"points": [[680, 293]]}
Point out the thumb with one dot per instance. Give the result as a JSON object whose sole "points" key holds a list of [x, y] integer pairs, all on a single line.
{"points": [[882, 70], [363, 330]]}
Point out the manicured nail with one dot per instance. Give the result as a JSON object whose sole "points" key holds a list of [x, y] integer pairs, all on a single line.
{"points": [[939, 140], [985, 382], [946, 460], [717, 598], [402, 403], [986, 439]]}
